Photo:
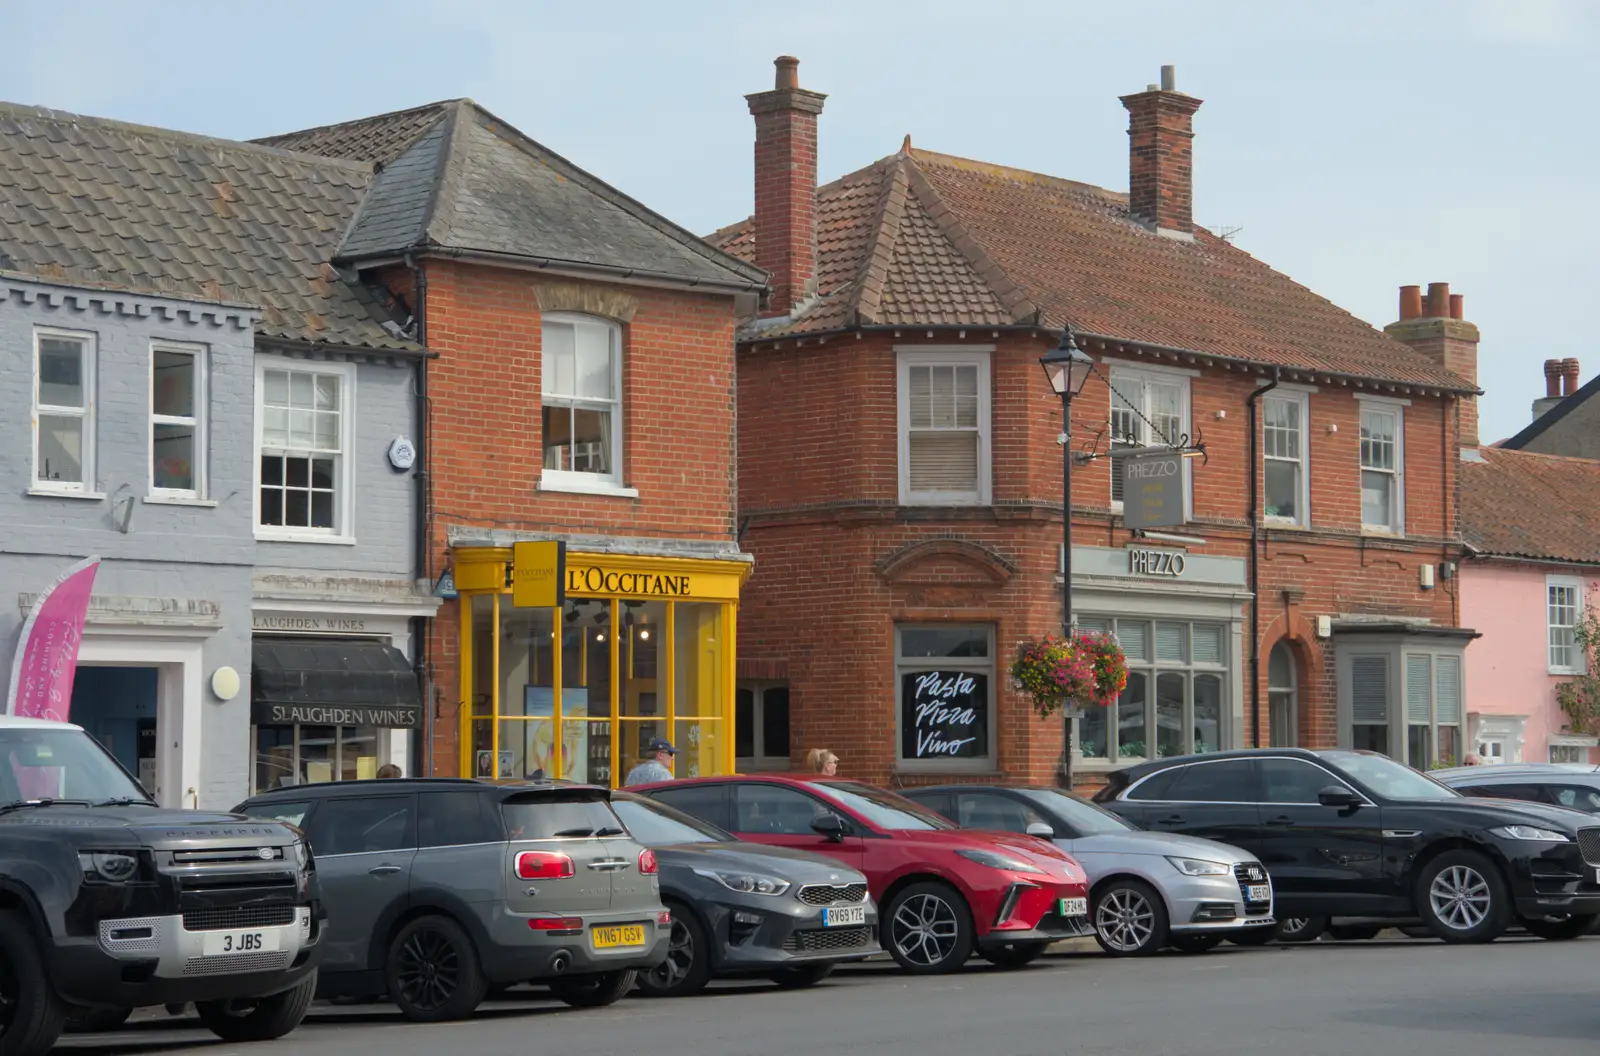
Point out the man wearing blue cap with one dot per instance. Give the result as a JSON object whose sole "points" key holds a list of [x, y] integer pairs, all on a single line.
{"points": [[658, 767]]}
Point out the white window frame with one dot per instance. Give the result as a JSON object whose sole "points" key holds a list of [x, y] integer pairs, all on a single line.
{"points": [[611, 483], [979, 356], [764, 761], [1397, 507], [200, 423], [343, 532], [1574, 584], [1574, 741], [1434, 724], [1302, 401], [1123, 378], [85, 488], [1152, 667]]}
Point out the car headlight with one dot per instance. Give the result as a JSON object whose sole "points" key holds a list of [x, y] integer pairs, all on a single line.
{"points": [[112, 867], [1199, 866], [746, 883], [995, 860], [1530, 832]]}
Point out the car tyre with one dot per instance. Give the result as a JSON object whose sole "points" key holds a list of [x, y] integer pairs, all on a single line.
{"points": [[1130, 919], [800, 978], [1463, 898], [96, 1020], [259, 1019], [927, 928], [1014, 954], [595, 989], [1301, 929], [1196, 943], [1354, 932], [31, 1015], [433, 973], [687, 968], [1415, 931], [1562, 929]]}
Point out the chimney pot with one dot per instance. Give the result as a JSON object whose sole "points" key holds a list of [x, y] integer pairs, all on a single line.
{"points": [[786, 186], [1458, 305], [1438, 300], [1161, 156], [1569, 377], [1552, 377], [1169, 78], [788, 72], [1411, 302]]}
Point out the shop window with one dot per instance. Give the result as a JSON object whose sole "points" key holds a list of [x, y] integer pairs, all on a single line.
{"points": [[362, 825], [1283, 447], [1565, 611], [1174, 701], [581, 383], [761, 727], [177, 422], [1148, 409], [944, 427], [314, 755], [304, 430], [63, 411], [1382, 469], [945, 695]]}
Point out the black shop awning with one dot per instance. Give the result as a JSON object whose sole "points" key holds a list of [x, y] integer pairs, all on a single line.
{"points": [[322, 682]]}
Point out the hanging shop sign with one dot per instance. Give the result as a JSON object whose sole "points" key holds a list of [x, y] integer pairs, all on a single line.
{"points": [[1152, 489], [539, 574]]}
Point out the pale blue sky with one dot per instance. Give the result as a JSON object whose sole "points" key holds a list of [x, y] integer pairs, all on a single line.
{"points": [[1358, 145]]}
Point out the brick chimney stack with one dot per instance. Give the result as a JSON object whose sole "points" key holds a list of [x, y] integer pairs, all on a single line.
{"points": [[786, 186], [1435, 327], [1560, 381], [1160, 156]]}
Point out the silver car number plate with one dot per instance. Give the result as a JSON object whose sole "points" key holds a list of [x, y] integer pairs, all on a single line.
{"points": [[1074, 907], [843, 916], [1258, 892]]}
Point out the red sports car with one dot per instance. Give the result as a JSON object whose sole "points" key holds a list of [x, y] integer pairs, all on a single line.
{"points": [[943, 893]]}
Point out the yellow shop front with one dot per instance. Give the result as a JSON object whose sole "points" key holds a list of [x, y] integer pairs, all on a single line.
{"points": [[640, 647]]}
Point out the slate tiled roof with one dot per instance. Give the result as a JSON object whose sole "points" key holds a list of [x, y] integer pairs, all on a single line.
{"points": [[1522, 504], [112, 204], [931, 239], [455, 177]]}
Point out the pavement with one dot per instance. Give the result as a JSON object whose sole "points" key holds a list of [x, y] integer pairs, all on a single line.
{"points": [[1325, 999]]}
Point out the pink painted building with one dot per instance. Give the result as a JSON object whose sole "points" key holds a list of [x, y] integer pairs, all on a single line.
{"points": [[1531, 523]]}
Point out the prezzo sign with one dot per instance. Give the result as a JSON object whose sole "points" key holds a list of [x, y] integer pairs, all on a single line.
{"points": [[1156, 563], [944, 715]]}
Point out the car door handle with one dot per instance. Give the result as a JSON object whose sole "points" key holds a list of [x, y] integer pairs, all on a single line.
{"points": [[1281, 819], [384, 870], [609, 863], [1171, 819]]}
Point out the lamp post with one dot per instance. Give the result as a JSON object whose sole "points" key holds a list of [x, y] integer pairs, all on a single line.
{"points": [[1067, 367]]}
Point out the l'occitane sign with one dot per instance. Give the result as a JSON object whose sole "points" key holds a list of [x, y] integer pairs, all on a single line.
{"points": [[668, 580]]}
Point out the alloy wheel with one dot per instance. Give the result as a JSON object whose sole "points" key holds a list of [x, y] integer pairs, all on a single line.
{"points": [[1125, 920], [1460, 897], [1293, 925], [429, 970], [680, 958], [925, 929]]}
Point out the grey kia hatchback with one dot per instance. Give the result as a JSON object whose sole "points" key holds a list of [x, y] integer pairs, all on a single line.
{"points": [[439, 889]]}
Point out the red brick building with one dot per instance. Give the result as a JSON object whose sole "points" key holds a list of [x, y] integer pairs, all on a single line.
{"points": [[580, 389], [900, 474]]}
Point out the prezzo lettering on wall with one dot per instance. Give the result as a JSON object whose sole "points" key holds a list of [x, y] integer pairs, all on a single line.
{"points": [[1156, 563], [945, 715], [593, 580]]}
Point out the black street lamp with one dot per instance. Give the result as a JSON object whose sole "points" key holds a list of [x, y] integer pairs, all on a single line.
{"points": [[1067, 367]]}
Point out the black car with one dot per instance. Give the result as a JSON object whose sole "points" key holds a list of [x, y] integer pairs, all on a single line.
{"points": [[1356, 834], [1559, 784], [744, 908]]}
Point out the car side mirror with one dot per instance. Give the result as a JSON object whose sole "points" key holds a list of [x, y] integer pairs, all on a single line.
{"points": [[1335, 796], [1041, 830], [830, 826]]}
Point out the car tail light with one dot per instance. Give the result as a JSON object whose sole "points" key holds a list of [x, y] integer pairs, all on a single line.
{"points": [[555, 923], [664, 918], [647, 861], [544, 865]]}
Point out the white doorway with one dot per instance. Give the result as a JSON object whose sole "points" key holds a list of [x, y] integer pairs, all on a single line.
{"points": [[178, 663]]}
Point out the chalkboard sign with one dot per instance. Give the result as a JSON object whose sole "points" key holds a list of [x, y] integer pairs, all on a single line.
{"points": [[944, 715]]}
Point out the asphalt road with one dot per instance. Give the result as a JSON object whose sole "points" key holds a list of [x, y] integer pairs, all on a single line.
{"points": [[1329, 999]]}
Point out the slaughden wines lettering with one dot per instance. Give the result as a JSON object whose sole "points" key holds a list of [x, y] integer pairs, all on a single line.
{"points": [[944, 715]]}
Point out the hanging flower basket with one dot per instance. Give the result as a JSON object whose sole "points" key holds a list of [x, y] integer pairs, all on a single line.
{"points": [[1080, 671]]}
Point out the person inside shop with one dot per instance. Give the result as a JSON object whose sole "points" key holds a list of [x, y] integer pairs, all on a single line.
{"points": [[389, 770], [822, 762], [658, 767]]}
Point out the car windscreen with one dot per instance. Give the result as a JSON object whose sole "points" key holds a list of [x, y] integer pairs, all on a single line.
{"points": [[1085, 818], [61, 764], [885, 809], [1388, 778], [559, 815], [658, 825]]}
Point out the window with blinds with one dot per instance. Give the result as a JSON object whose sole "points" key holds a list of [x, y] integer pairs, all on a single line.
{"points": [[1424, 730], [1369, 703], [944, 427]]}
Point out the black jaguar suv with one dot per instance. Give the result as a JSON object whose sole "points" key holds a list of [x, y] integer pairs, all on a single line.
{"points": [[1358, 835]]}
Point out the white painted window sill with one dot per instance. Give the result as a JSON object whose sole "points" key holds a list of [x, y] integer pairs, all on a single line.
{"points": [[267, 535], [1282, 522], [58, 493], [1381, 533], [179, 500], [572, 486]]}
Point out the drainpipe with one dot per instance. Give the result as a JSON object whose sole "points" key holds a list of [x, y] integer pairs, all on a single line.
{"points": [[1253, 404], [423, 515]]}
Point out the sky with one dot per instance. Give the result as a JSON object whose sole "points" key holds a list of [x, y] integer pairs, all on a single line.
{"points": [[1357, 146]]}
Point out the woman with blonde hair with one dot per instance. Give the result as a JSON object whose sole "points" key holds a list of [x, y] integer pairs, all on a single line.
{"points": [[822, 762]]}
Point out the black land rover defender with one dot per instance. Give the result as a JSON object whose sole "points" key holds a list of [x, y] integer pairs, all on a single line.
{"points": [[109, 902]]}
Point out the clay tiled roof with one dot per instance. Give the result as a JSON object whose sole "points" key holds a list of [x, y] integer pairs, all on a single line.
{"points": [[921, 238], [105, 203], [1521, 504], [381, 138]]}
